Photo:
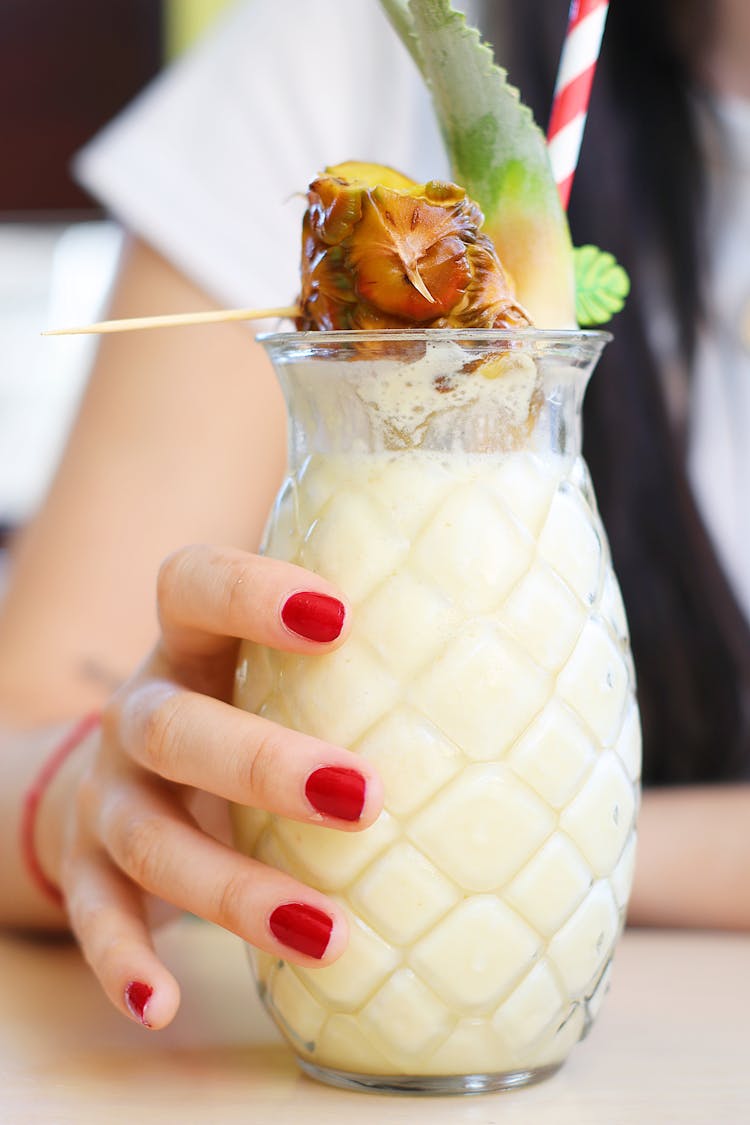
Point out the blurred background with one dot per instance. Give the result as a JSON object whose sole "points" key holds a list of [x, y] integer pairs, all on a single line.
{"points": [[66, 68]]}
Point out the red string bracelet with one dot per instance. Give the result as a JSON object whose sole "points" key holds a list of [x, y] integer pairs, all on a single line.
{"points": [[33, 797]]}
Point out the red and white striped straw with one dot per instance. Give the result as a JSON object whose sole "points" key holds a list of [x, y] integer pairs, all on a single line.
{"points": [[575, 75]]}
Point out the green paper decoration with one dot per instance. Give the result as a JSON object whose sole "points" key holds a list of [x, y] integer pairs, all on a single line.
{"points": [[601, 285]]}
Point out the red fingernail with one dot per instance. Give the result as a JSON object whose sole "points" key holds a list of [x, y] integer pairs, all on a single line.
{"points": [[137, 996], [336, 791], [316, 617], [302, 927]]}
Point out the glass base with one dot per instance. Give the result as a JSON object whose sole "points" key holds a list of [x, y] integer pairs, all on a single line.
{"points": [[428, 1084]]}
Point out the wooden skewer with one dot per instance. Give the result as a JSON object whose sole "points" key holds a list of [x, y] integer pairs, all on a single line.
{"points": [[177, 320]]}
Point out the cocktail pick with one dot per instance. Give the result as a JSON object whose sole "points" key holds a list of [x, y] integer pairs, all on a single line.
{"points": [[177, 320]]}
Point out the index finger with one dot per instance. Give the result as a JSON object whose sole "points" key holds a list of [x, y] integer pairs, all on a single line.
{"points": [[209, 596]]}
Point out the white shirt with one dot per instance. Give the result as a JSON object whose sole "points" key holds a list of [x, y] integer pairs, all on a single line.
{"points": [[210, 164]]}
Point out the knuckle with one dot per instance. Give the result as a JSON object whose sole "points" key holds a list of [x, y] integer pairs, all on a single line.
{"points": [[162, 726], [234, 902], [140, 851], [171, 575], [257, 771], [168, 575]]}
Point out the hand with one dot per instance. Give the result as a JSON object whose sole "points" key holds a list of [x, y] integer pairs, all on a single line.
{"points": [[172, 752]]}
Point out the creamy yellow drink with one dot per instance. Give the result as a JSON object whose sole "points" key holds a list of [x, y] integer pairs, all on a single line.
{"points": [[487, 677]]}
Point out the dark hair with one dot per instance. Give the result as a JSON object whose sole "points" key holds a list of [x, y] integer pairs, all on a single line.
{"points": [[639, 192]]}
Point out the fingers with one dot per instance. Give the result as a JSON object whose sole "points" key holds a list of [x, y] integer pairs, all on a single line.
{"points": [[152, 842], [134, 835], [107, 918], [201, 742], [207, 595], [107, 915]]}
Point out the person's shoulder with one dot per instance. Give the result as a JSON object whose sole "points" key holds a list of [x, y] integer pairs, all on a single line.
{"points": [[208, 165]]}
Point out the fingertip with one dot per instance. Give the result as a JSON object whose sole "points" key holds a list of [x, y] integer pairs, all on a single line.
{"points": [[373, 795], [151, 999], [138, 996], [309, 933], [314, 615], [337, 791], [339, 939], [374, 799], [372, 805]]}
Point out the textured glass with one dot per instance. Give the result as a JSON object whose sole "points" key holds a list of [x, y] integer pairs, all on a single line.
{"points": [[436, 478]]}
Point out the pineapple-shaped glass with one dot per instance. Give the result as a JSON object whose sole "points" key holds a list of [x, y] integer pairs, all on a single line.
{"points": [[436, 476]]}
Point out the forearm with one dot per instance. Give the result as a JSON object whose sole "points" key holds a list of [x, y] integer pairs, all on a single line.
{"points": [[179, 439], [693, 866]]}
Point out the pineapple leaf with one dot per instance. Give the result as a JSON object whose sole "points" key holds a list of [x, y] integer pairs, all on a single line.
{"points": [[497, 153], [400, 16], [602, 285], [488, 133]]}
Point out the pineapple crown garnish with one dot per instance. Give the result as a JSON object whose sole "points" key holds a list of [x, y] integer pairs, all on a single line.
{"points": [[499, 155], [380, 251]]}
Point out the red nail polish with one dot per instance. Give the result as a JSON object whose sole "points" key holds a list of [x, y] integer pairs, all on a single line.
{"points": [[337, 791], [302, 927], [316, 617], [137, 996]]}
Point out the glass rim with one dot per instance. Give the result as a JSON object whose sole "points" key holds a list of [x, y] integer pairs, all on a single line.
{"points": [[569, 336]]}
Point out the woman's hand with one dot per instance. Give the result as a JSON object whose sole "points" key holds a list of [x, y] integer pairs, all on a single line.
{"points": [[172, 751]]}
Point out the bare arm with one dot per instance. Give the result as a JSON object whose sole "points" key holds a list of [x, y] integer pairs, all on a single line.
{"points": [[693, 866], [180, 439]]}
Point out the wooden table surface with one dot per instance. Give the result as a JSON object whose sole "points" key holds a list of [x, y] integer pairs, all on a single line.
{"points": [[672, 1045]]}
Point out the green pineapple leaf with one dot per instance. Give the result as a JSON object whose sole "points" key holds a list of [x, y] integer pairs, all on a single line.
{"points": [[497, 153], [400, 16], [602, 285]]}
